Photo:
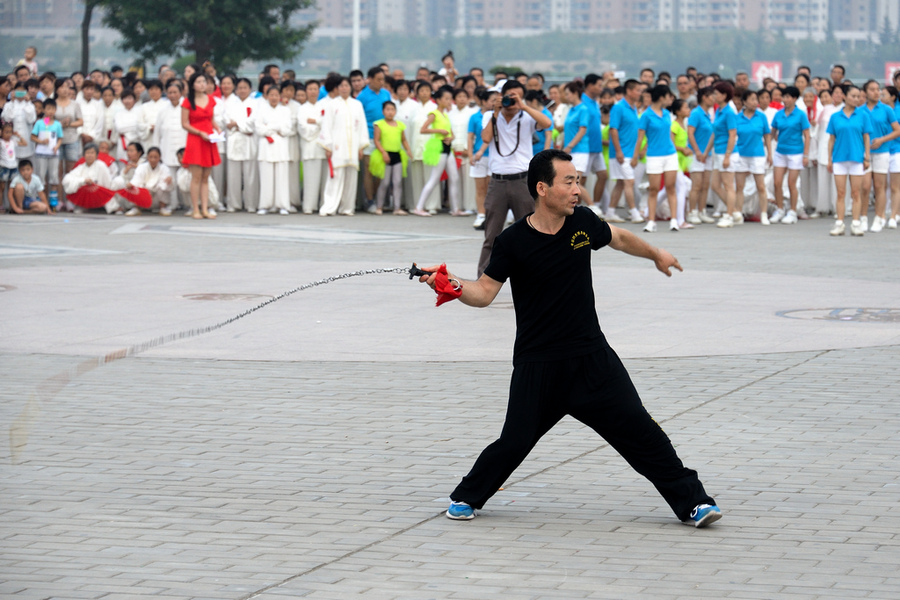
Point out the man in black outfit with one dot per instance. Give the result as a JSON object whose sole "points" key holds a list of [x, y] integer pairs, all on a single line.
{"points": [[562, 362]]}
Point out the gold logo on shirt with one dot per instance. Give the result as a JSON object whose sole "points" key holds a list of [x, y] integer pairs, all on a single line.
{"points": [[580, 240]]}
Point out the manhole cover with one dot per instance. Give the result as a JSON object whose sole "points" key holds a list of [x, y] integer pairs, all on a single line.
{"points": [[6, 288], [856, 315], [231, 297]]}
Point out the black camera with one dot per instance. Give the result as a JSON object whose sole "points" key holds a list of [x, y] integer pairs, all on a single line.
{"points": [[507, 101]]}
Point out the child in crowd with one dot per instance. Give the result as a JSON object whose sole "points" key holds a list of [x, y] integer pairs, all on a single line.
{"points": [[26, 194], [20, 112], [47, 136], [9, 166], [390, 161], [29, 62]]}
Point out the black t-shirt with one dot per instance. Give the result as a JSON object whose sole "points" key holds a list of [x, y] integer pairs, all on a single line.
{"points": [[552, 288]]}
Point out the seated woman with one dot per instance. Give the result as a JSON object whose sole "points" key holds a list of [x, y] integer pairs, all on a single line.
{"points": [[134, 156], [152, 181], [88, 184]]}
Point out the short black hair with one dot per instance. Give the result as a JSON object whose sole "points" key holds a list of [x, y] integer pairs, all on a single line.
{"points": [[630, 84], [792, 91], [156, 83], [841, 67], [355, 73], [25, 163], [49, 102], [659, 92], [374, 71], [513, 84], [591, 79], [386, 103], [541, 168]]}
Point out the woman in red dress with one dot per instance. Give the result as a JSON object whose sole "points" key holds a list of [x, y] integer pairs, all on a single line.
{"points": [[200, 155]]}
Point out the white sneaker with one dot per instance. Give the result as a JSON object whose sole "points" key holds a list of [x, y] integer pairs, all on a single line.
{"points": [[261, 211], [838, 228], [764, 219], [863, 222], [284, 211], [510, 218], [612, 217], [892, 223], [777, 216], [596, 210], [189, 213], [165, 211], [725, 221], [705, 218], [636, 216], [479, 221], [693, 218], [738, 217], [211, 212], [877, 224], [673, 225], [856, 228], [650, 227], [230, 209], [133, 212], [789, 219]]}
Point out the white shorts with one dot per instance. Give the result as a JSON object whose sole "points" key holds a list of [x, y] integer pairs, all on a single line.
{"points": [[657, 165], [751, 164], [720, 158], [848, 168], [621, 171], [895, 163], [880, 163], [580, 162], [794, 162], [596, 163], [700, 167], [480, 169]]}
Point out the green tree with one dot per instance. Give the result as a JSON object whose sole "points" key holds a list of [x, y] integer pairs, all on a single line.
{"points": [[226, 32]]}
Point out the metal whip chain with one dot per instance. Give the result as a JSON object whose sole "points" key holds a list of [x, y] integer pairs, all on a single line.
{"points": [[190, 333]]}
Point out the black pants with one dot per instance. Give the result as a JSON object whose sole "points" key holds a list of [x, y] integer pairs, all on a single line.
{"points": [[596, 390], [502, 196]]}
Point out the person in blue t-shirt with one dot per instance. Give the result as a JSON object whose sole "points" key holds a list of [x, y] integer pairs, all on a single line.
{"points": [[753, 143], [623, 121], [848, 132], [593, 88], [891, 96], [655, 125], [479, 152], [700, 139], [790, 128], [885, 130], [724, 145], [372, 97]]}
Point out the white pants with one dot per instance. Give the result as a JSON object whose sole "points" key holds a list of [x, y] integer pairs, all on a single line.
{"points": [[274, 192], [808, 185], [243, 184], [417, 171], [467, 185], [294, 182], [447, 162], [218, 174], [340, 192], [314, 176], [683, 186]]}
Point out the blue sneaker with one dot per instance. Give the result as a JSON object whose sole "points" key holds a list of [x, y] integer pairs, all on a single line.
{"points": [[703, 515], [460, 511]]}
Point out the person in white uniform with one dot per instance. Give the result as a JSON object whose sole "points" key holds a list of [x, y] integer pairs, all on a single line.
{"points": [[288, 91], [241, 149], [344, 135], [273, 124], [169, 136], [309, 121]]}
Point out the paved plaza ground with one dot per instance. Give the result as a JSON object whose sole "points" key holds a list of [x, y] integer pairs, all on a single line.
{"points": [[307, 450]]}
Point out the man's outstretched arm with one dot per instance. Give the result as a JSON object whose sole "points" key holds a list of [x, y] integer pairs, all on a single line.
{"points": [[474, 293], [625, 241]]}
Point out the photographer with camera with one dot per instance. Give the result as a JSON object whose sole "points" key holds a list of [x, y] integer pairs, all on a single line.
{"points": [[508, 130]]}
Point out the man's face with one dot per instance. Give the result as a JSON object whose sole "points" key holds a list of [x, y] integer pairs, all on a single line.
{"points": [[377, 82], [742, 81], [275, 73], [837, 74], [647, 77], [516, 95], [562, 197], [684, 86], [22, 75], [534, 83], [633, 95], [358, 83], [478, 74], [873, 92]]}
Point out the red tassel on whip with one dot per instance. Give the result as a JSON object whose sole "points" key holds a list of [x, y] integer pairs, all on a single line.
{"points": [[447, 289]]}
